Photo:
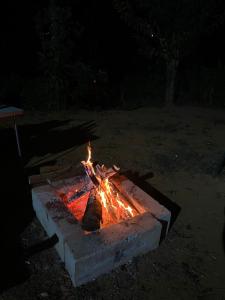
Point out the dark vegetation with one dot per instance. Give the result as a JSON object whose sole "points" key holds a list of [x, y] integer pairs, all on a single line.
{"points": [[62, 54]]}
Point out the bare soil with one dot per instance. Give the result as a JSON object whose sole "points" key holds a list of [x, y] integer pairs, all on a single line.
{"points": [[180, 152]]}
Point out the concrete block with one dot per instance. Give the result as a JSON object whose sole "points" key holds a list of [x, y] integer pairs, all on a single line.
{"points": [[141, 200], [98, 253], [53, 215], [88, 255]]}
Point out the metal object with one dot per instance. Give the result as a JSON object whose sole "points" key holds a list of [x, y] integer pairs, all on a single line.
{"points": [[17, 138]]}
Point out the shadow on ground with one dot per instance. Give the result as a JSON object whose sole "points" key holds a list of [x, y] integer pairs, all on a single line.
{"points": [[16, 207]]}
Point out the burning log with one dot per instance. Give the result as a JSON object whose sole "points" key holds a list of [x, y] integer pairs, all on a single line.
{"points": [[105, 173], [115, 206], [73, 195], [96, 202], [125, 200], [76, 195], [93, 214]]}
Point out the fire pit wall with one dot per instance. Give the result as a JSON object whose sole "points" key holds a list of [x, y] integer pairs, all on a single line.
{"points": [[88, 255]]}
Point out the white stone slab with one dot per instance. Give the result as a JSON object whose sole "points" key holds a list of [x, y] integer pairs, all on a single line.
{"points": [[87, 256], [141, 200], [98, 253]]}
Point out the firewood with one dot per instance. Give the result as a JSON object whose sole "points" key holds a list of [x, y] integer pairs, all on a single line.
{"points": [[93, 214]]}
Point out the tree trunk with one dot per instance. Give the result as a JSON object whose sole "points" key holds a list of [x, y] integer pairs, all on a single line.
{"points": [[171, 72]]}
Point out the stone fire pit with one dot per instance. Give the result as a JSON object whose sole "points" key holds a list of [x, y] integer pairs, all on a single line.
{"points": [[89, 254]]}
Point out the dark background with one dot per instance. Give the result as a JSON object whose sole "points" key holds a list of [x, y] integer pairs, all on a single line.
{"points": [[101, 60]]}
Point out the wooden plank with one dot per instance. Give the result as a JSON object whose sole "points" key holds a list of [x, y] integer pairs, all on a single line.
{"points": [[55, 173]]}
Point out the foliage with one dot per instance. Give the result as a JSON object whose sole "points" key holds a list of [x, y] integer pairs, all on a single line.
{"points": [[57, 34], [174, 24], [201, 85], [170, 29]]}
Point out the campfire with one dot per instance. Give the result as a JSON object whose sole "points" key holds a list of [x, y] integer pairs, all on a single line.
{"points": [[95, 201], [76, 208]]}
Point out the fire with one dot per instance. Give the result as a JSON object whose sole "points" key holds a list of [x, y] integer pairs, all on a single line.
{"points": [[88, 163], [114, 206], [110, 206]]}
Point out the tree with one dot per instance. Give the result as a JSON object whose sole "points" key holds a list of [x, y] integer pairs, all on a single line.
{"points": [[175, 26], [57, 33]]}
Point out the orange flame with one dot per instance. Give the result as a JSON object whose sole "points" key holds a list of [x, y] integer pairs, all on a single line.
{"points": [[114, 208], [89, 154], [88, 163]]}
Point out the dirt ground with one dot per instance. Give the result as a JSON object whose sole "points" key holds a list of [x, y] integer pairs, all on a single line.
{"points": [[180, 152]]}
